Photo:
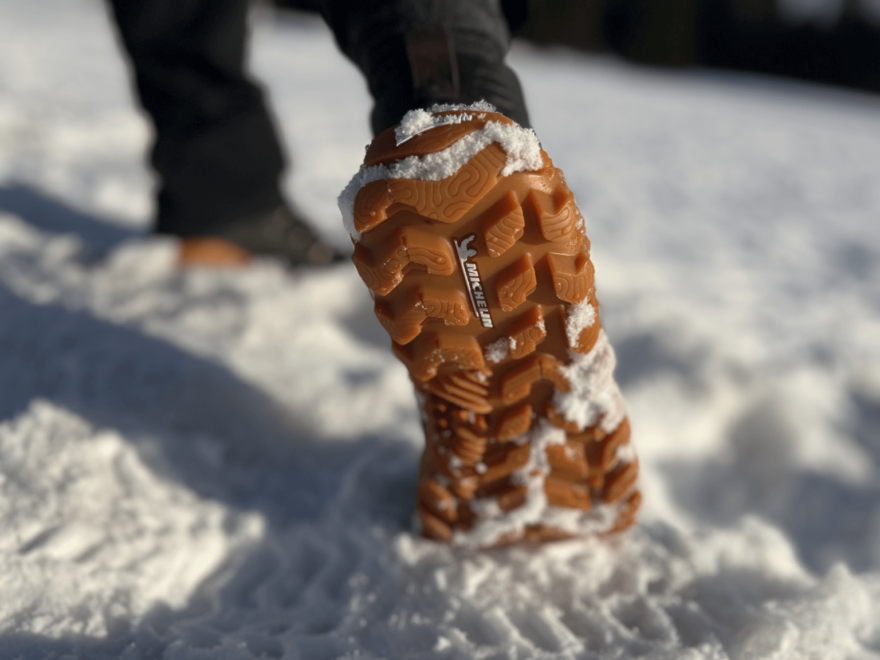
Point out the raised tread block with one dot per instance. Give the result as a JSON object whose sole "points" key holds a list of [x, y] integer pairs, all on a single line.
{"points": [[403, 327], [381, 277], [432, 526], [515, 283], [514, 422], [511, 498], [526, 333], [568, 460], [449, 199], [503, 225], [515, 457], [383, 271], [449, 305], [464, 487], [611, 443], [371, 206], [557, 215], [438, 500], [591, 434], [468, 446], [516, 383], [430, 350], [462, 391], [619, 482], [431, 251], [572, 276], [566, 494], [403, 319]]}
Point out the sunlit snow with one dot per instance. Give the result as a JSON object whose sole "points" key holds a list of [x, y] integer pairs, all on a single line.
{"points": [[221, 464]]}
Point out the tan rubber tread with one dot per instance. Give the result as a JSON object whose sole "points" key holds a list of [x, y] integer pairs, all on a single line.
{"points": [[502, 225], [515, 421], [475, 277], [572, 276], [516, 283]]}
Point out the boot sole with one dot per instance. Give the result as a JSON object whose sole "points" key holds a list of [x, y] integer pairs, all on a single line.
{"points": [[483, 280]]}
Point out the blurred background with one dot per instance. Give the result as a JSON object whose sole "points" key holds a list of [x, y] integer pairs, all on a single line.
{"points": [[828, 41], [221, 464]]}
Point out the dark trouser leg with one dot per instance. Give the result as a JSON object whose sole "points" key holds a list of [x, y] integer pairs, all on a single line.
{"points": [[418, 52], [216, 151]]}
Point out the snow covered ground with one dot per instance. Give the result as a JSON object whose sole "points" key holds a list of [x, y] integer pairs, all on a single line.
{"points": [[221, 465]]}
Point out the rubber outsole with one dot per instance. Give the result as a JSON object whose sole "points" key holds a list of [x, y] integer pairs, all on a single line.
{"points": [[483, 282]]}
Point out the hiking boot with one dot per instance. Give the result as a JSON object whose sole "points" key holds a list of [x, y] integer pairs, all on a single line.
{"points": [[278, 234], [475, 253]]}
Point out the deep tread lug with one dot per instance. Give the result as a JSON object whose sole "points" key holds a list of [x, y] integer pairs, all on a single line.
{"points": [[503, 225], [514, 422], [515, 283], [572, 276], [526, 332]]}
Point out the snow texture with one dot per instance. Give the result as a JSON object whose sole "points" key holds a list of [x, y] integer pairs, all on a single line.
{"points": [[495, 524], [581, 316], [521, 145], [594, 396], [418, 121], [221, 465], [498, 350]]}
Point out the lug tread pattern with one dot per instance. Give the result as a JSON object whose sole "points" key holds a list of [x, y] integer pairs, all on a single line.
{"points": [[515, 283], [446, 200], [557, 214], [383, 271], [534, 264], [514, 422], [566, 494], [505, 464], [572, 276], [462, 389], [503, 225], [526, 333], [568, 461], [371, 206]]}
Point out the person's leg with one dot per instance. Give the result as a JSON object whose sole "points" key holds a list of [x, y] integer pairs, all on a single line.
{"points": [[415, 53], [216, 151]]}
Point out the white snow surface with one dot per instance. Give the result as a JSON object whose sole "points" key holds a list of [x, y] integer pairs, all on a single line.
{"points": [[222, 464], [498, 350], [581, 316], [420, 120], [594, 395]]}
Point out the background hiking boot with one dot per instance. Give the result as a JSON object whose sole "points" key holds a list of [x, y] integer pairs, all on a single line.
{"points": [[278, 234]]}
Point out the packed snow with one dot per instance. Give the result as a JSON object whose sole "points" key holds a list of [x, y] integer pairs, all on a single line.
{"points": [[594, 396], [581, 316], [520, 144], [221, 464]]}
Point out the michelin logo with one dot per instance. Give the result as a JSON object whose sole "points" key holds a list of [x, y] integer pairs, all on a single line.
{"points": [[474, 283]]}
